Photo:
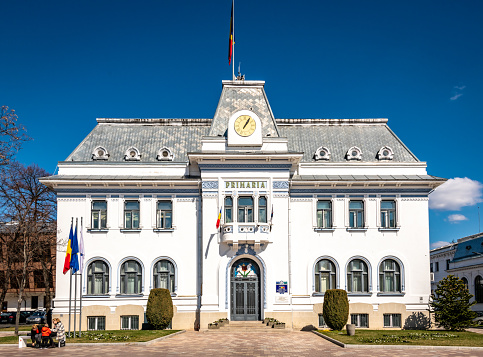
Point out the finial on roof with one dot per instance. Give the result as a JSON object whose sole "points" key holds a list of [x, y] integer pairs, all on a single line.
{"points": [[240, 77]]}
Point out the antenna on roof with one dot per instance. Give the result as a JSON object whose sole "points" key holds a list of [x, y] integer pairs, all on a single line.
{"points": [[240, 77]]}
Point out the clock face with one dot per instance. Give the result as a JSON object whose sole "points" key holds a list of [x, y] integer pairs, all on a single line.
{"points": [[245, 125]]}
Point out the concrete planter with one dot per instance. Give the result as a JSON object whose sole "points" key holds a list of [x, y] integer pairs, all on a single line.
{"points": [[266, 319], [351, 329], [213, 326], [280, 325]]}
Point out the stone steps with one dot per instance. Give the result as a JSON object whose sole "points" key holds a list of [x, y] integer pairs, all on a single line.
{"points": [[247, 327]]}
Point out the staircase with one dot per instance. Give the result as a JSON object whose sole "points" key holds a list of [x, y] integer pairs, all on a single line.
{"points": [[248, 327]]}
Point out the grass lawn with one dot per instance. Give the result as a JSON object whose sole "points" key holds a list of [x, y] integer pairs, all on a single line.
{"points": [[408, 337], [20, 328], [108, 336]]}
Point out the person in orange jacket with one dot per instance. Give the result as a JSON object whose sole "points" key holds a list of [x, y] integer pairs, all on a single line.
{"points": [[46, 340]]}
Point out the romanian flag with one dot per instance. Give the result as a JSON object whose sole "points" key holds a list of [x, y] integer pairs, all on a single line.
{"points": [[74, 255], [68, 252], [218, 220], [230, 43]]}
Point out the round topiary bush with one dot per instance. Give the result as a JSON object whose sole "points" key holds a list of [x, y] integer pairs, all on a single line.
{"points": [[159, 311], [336, 308]]}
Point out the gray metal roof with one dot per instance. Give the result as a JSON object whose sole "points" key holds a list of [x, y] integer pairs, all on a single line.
{"points": [[246, 95], [366, 178], [119, 136]]}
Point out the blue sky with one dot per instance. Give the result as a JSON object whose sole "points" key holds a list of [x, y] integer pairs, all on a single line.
{"points": [[418, 63]]}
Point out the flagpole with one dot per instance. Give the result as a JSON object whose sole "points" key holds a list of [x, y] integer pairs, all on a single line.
{"points": [[233, 42], [80, 293], [70, 284], [75, 283]]}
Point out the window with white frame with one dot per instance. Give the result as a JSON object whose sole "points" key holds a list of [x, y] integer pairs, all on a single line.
{"points": [[478, 289], [262, 209], [360, 320], [228, 209], [245, 209], [388, 214], [96, 323], [131, 214], [130, 322], [97, 278], [356, 214], [164, 214], [99, 215], [392, 320], [324, 214], [325, 276], [322, 321], [357, 277], [465, 281], [389, 276], [163, 275], [131, 277]]}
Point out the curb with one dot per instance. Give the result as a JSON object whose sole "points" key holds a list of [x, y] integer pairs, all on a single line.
{"points": [[397, 347], [147, 343]]}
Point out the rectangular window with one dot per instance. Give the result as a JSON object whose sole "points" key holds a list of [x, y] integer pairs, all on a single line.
{"points": [[262, 209], [392, 320], [95, 323], [245, 209], [39, 282], [324, 214], [130, 322], [4, 305], [164, 214], [131, 215], [447, 264], [356, 214], [431, 267], [34, 303], [99, 215], [388, 214], [436, 266], [360, 320], [228, 209]]}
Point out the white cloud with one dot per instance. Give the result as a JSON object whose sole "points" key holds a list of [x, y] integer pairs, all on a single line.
{"points": [[455, 194], [460, 88], [456, 96], [456, 218], [438, 244]]}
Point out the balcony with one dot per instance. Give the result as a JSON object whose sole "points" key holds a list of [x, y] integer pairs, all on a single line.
{"points": [[241, 233]]}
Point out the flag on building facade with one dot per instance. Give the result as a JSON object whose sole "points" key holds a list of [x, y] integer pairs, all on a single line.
{"points": [[218, 220], [230, 42], [68, 251], [74, 260], [81, 249]]}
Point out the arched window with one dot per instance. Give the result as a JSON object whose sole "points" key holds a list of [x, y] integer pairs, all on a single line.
{"points": [[131, 277], [163, 275], [97, 278], [479, 289], [465, 281], [389, 276], [357, 277], [325, 276]]}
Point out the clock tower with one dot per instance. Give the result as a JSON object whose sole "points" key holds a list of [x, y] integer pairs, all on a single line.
{"points": [[244, 129]]}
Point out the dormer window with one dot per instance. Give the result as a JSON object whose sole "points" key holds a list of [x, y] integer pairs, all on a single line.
{"points": [[354, 153], [132, 154], [385, 153], [322, 153], [100, 153], [165, 154]]}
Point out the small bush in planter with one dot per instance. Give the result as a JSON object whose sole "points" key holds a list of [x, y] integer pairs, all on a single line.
{"points": [[159, 310], [336, 308]]}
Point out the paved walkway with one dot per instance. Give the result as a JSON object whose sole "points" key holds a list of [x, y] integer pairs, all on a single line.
{"points": [[235, 344]]}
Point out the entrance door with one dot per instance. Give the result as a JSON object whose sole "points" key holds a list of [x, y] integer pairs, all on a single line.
{"points": [[245, 291]]}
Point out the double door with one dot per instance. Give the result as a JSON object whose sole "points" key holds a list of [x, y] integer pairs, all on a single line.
{"points": [[245, 299]]}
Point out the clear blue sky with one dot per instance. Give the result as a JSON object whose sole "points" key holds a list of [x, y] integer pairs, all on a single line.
{"points": [[418, 63]]}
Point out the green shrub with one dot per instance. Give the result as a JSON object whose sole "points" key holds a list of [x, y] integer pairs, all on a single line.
{"points": [[336, 308], [159, 311]]}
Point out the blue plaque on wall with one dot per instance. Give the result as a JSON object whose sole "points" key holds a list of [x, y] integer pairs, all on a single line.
{"points": [[281, 287]]}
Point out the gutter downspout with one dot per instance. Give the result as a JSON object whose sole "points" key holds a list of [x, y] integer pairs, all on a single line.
{"points": [[290, 258]]}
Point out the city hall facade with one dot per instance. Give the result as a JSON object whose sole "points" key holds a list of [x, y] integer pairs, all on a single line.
{"points": [[305, 205]]}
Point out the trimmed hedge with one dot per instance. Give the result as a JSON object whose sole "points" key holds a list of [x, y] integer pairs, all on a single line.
{"points": [[336, 308], [159, 311]]}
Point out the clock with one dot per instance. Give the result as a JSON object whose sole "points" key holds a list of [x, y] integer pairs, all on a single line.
{"points": [[245, 125]]}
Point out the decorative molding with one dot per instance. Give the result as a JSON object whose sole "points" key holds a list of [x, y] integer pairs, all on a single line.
{"points": [[71, 199], [301, 199], [415, 199], [266, 166], [280, 185], [209, 185], [280, 195], [361, 190], [185, 199]]}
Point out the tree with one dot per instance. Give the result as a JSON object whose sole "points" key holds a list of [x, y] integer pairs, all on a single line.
{"points": [[451, 304], [12, 134], [159, 310], [29, 208], [336, 308]]}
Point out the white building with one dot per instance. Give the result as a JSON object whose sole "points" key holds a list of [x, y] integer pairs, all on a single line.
{"points": [[307, 205], [464, 260]]}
